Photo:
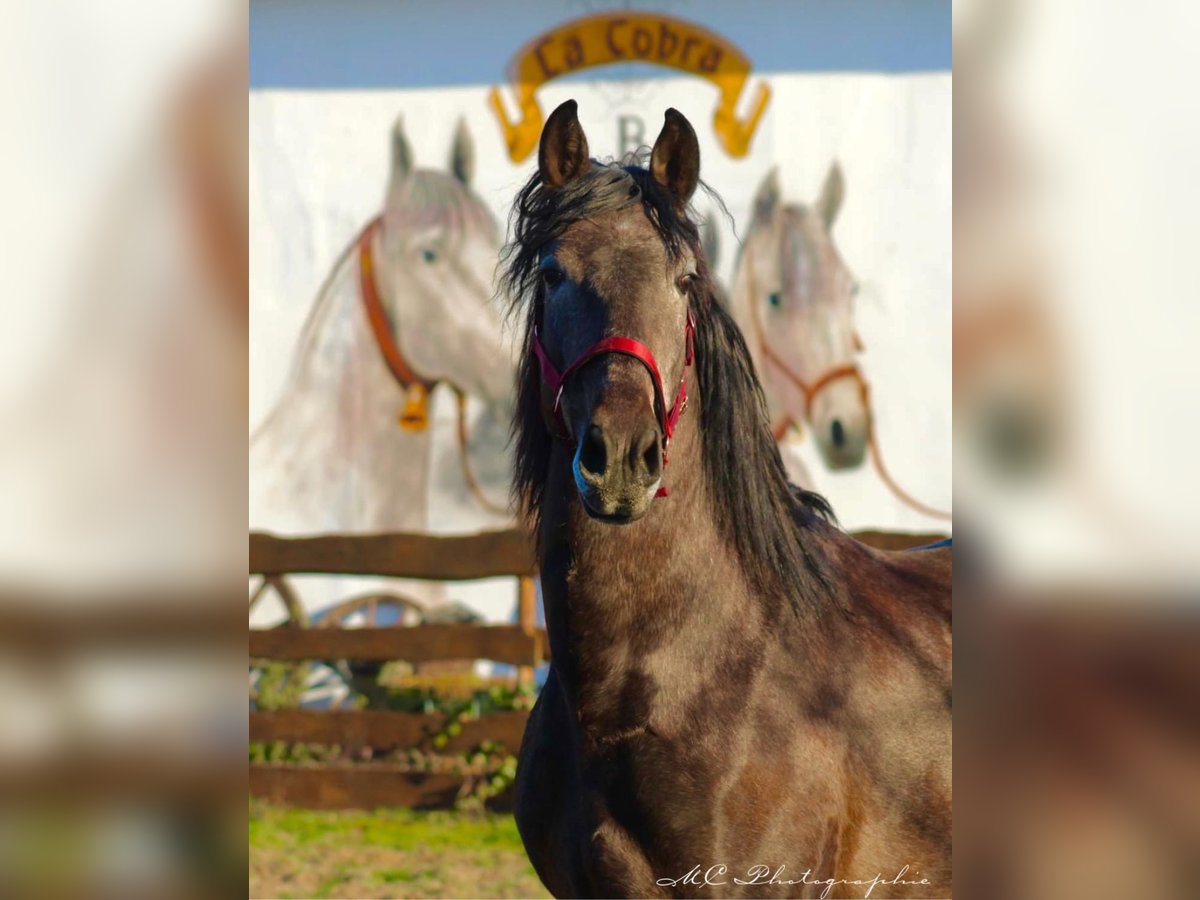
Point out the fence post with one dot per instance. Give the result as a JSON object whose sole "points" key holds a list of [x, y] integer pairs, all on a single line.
{"points": [[527, 618]]}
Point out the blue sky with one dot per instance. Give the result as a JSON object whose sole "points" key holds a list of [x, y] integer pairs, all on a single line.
{"points": [[347, 44]]}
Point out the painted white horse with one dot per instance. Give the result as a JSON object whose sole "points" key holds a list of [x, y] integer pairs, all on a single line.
{"points": [[403, 327], [333, 455], [793, 298]]}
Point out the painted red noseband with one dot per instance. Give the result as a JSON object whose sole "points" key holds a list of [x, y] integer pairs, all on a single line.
{"points": [[667, 418]]}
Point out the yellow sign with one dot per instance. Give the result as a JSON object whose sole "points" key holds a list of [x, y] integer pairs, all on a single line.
{"points": [[628, 36]]}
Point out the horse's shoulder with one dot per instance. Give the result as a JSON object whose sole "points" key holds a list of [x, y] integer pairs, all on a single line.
{"points": [[900, 590]]}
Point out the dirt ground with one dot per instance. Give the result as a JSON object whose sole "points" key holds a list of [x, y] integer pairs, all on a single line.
{"points": [[387, 853]]}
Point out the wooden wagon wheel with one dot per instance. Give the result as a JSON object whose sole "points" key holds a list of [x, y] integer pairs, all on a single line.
{"points": [[297, 615], [295, 676], [359, 676], [370, 605]]}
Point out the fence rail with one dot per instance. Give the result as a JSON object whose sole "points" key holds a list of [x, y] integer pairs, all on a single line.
{"points": [[384, 729], [421, 643], [430, 557], [353, 786]]}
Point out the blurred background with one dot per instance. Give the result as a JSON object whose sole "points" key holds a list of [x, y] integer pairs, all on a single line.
{"points": [[122, 401], [1074, 423], [167, 242]]}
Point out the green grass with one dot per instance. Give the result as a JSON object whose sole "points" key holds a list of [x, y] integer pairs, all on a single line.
{"points": [[386, 853], [394, 828]]}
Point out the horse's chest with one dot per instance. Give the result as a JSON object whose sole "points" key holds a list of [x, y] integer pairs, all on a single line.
{"points": [[645, 803]]}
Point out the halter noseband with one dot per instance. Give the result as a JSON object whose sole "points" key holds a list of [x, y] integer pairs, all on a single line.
{"points": [[667, 418]]}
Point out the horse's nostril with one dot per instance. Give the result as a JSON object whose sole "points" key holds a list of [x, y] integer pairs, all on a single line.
{"points": [[837, 433], [652, 460], [593, 454], [646, 455]]}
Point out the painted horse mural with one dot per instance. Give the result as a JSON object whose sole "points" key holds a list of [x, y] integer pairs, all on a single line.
{"points": [[793, 296], [349, 446]]}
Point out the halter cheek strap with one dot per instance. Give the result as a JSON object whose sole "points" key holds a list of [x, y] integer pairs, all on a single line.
{"points": [[667, 418]]}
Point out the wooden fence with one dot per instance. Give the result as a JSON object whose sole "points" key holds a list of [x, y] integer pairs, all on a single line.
{"points": [[350, 781]]}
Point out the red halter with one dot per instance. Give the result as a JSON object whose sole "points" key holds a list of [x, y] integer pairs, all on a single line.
{"points": [[667, 418]]}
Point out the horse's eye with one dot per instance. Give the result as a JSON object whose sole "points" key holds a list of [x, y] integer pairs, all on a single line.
{"points": [[775, 300], [551, 278], [686, 282], [429, 255]]}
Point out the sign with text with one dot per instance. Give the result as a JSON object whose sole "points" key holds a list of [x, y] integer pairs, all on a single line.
{"points": [[629, 37]]}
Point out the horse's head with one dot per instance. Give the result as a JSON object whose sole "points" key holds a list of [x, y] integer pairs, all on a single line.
{"points": [[438, 244], [796, 297], [611, 304]]}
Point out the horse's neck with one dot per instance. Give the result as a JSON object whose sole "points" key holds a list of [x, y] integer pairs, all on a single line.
{"points": [[631, 608], [331, 454]]}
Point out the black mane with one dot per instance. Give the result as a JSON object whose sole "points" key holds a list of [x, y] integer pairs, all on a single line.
{"points": [[755, 507]]}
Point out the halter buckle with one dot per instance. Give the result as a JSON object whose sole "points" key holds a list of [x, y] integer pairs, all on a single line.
{"points": [[558, 400], [690, 339]]}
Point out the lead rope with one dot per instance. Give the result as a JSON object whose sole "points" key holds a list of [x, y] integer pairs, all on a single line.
{"points": [[463, 443], [886, 477], [848, 371]]}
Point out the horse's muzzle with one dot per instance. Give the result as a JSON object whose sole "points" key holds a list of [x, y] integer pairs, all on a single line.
{"points": [[618, 470], [842, 442]]}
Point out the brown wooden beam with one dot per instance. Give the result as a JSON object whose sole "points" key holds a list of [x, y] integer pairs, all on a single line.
{"points": [[527, 619], [384, 729], [352, 786], [501, 643], [434, 558]]}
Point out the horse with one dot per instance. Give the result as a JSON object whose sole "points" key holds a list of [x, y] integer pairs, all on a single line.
{"points": [[349, 447], [793, 295], [742, 700]]}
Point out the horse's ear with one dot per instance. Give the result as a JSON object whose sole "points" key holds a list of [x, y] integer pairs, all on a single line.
{"points": [[462, 154], [563, 152], [832, 193], [402, 158], [767, 197], [675, 159]]}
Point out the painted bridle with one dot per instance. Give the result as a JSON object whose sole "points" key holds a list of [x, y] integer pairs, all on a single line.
{"points": [[556, 381], [810, 390]]}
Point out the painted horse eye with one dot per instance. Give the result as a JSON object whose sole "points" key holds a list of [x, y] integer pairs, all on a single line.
{"points": [[429, 255], [551, 278], [775, 300], [685, 282]]}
